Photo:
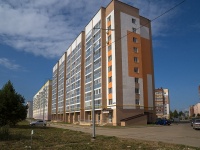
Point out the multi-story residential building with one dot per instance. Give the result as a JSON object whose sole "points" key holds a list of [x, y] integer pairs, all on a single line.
{"points": [[162, 103], [42, 102], [111, 64], [30, 109], [191, 111], [197, 109]]}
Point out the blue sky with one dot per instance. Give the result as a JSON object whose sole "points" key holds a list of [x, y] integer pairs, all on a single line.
{"points": [[35, 34]]}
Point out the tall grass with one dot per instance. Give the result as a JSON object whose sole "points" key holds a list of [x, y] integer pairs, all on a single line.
{"points": [[4, 132]]}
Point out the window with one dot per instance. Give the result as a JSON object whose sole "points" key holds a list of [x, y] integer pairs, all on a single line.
{"points": [[109, 79], [133, 20], [110, 90], [135, 40], [137, 102], [109, 37], [109, 18], [110, 58], [136, 80], [136, 70], [110, 102], [137, 91], [109, 68], [109, 47], [134, 30], [135, 49], [136, 60]]}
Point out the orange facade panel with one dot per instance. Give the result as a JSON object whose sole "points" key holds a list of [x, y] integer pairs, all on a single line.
{"points": [[132, 54], [109, 63], [109, 52], [110, 96], [110, 74], [108, 23], [110, 85]]}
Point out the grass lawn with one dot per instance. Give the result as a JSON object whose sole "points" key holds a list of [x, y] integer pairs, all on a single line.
{"points": [[62, 139]]}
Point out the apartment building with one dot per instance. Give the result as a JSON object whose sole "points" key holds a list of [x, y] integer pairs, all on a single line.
{"points": [[197, 109], [162, 103], [42, 102], [109, 68]]}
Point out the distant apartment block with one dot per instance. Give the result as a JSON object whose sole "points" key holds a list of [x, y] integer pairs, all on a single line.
{"points": [[191, 111], [162, 103], [30, 109], [197, 109], [110, 63], [42, 102]]}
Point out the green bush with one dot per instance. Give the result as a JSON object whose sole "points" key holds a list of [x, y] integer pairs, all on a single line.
{"points": [[4, 132]]}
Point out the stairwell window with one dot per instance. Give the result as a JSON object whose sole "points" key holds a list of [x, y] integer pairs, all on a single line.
{"points": [[136, 70], [135, 40], [136, 60], [135, 49]]}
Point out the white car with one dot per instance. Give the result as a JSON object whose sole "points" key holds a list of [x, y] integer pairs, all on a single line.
{"points": [[38, 123], [196, 124]]}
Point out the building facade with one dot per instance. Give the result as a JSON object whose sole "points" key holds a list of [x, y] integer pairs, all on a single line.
{"points": [[30, 109], [42, 102], [110, 65], [197, 109], [162, 103]]}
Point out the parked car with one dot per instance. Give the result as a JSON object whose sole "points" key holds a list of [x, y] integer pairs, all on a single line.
{"points": [[162, 121], [38, 123], [196, 124], [192, 121]]}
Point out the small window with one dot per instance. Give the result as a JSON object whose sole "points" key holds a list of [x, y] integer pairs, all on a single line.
{"points": [[136, 70], [133, 20], [137, 102], [110, 58], [135, 49], [136, 60], [109, 37], [110, 79], [109, 47], [137, 91], [110, 101], [136, 80], [110, 90], [134, 30], [135, 40], [109, 18], [109, 68]]}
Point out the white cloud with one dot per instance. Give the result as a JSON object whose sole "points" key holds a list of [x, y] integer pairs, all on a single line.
{"points": [[9, 64], [47, 27]]}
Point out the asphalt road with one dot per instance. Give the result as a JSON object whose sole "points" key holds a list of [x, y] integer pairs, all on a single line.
{"points": [[176, 133]]}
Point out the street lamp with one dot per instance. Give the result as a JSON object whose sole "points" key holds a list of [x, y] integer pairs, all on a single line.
{"points": [[93, 93]]}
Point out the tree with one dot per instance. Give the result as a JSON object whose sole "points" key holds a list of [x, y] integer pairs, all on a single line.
{"points": [[12, 108], [180, 113], [175, 114], [171, 114]]}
